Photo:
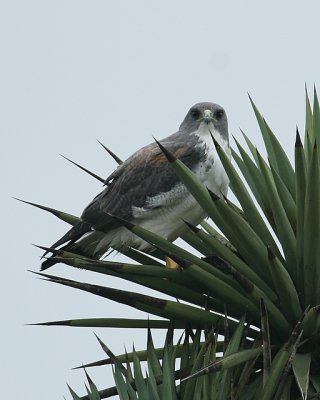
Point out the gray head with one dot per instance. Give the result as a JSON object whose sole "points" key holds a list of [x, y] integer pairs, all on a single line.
{"points": [[205, 113]]}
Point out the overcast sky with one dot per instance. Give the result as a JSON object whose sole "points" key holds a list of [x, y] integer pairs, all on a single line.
{"points": [[74, 71]]}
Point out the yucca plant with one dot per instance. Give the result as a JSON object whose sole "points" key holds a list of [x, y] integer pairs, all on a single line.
{"points": [[249, 307]]}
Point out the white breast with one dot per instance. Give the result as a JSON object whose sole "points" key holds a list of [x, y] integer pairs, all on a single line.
{"points": [[170, 208], [211, 172]]}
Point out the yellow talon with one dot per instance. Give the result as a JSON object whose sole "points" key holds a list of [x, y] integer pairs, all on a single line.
{"points": [[171, 264]]}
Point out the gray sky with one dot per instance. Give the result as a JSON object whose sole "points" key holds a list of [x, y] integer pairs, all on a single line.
{"points": [[74, 71]]}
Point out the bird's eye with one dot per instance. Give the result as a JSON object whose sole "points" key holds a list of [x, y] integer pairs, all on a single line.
{"points": [[219, 114], [195, 113]]}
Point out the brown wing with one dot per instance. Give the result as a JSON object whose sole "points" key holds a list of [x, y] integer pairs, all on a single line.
{"points": [[145, 174]]}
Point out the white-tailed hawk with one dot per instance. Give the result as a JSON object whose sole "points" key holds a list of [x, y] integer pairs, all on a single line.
{"points": [[146, 191]]}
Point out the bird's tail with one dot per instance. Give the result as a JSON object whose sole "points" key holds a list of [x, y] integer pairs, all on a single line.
{"points": [[75, 233]]}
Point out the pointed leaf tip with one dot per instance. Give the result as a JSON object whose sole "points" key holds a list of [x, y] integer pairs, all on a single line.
{"points": [[47, 249], [217, 145], [191, 226], [84, 169], [114, 156], [298, 139], [213, 196], [271, 256], [235, 139], [170, 157]]}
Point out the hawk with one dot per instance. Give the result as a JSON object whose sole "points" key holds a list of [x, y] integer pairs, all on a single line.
{"points": [[146, 191]]}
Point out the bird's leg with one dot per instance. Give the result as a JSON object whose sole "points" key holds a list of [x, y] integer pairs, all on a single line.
{"points": [[171, 264]]}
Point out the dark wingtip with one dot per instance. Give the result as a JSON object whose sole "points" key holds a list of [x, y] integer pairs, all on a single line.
{"points": [[49, 262], [170, 157], [56, 260]]}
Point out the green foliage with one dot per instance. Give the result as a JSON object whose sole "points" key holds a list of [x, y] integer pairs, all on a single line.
{"points": [[196, 358], [257, 284]]}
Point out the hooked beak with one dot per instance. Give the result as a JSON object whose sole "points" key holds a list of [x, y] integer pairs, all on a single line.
{"points": [[208, 116]]}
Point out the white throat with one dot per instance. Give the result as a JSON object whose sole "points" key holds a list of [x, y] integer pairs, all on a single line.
{"points": [[204, 133]]}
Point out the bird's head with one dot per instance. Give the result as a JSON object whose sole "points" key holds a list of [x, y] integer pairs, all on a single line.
{"points": [[208, 116]]}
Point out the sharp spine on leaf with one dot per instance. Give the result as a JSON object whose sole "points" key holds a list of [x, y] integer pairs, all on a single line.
{"points": [[84, 169], [114, 156], [170, 157]]}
